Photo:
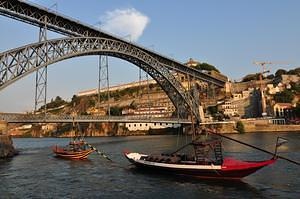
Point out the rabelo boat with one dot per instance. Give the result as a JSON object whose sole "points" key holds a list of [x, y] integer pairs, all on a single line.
{"points": [[76, 149], [205, 160]]}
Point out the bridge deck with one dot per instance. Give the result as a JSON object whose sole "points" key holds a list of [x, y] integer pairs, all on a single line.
{"points": [[30, 118], [37, 15]]}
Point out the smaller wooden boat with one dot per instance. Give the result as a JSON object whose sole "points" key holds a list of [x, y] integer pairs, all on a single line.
{"points": [[76, 149], [205, 162]]}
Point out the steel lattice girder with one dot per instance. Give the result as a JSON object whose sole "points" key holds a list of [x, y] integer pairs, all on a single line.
{"points": [[19, 62], [34, 15], [49, 118]]}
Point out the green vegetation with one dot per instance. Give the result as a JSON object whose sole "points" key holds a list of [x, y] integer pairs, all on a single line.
{"points": [[270, 76], [207, 67], [75, 100], [57, 102], [295, 87], [296, 110], [240, 127], [285, 96], [213, 110], [251, 77], [280, 72], [115, 111], [295, 71]]}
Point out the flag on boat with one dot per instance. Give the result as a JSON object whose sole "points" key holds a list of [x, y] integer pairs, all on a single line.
{"points": [[281, 141]]}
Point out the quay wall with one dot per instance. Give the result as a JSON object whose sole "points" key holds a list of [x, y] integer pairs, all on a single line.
{"points": [[250, 128], [253, 126], [115, 129]]}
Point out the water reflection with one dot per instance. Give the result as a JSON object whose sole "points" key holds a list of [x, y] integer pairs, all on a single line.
{"points": [[36, 173]]}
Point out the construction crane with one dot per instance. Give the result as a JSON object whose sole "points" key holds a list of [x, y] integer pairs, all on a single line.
{"points": [[263, 71]]}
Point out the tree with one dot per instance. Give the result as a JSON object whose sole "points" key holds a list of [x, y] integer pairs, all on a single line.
{"points": [[297, 110], [115, 111], [212, 110], [55, 103], [75, 100], [271, 76], [240, 127], [280, 72], [58, 99], [295, 71], [285, 96], [295, 87], [251, 77], [206, 66]]}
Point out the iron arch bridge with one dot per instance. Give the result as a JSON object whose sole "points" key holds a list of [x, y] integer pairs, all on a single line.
{"points": [[42, 17], [17, 63]]}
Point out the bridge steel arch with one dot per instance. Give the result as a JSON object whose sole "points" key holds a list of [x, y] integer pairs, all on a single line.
{"points": [[36, 15], [17, 63]]}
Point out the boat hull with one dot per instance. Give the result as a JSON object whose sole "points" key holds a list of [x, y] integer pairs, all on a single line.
{"points": [[79, 155], [230, 169]]}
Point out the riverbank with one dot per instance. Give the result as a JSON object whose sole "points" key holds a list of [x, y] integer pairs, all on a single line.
{"points": [[7, 149], [115, 129], [254, 126]]}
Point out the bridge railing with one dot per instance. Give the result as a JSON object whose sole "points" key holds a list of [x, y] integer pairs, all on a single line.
{"points": [[67, 118]]}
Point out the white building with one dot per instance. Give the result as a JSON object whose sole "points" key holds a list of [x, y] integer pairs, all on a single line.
{"points": [[148, 126], [117, 87], [229, 109]]}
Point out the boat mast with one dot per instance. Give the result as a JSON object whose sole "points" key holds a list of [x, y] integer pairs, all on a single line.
{"points": [[257, 148]]}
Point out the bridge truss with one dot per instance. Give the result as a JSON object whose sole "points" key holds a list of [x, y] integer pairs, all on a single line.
{"points": [[34, 15], [88, 40], [41, 118], [19, 62]]}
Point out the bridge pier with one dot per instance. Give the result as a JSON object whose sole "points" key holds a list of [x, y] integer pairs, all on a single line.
{"points": [[3, 127]]}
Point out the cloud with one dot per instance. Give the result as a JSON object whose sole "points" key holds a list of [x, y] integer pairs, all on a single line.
{"points": [[125, 23]]}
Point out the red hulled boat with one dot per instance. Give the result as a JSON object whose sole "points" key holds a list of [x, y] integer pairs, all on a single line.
{"points": [[206, 161], [76, 149]]}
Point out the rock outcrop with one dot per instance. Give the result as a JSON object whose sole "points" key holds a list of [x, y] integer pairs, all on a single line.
{"points": [[7, 149]]}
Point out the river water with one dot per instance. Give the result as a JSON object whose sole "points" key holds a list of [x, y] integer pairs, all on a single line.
{"points": [[36, 173]]}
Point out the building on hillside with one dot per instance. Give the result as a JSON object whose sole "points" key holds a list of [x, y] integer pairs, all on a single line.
{"points": [[153, 112], [246, 93], [287, 79], [229, 109], [192, 63], [150, 126], [228, 88], [100, 111], [273, 90], [218, 75], [148, 112], [244, 104], [237, 96], [283, 110], [117, 87], [241, 86]]}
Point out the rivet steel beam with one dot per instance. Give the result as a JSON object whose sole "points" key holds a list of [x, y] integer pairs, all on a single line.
{"points": [[19, 62], [34, 15]]}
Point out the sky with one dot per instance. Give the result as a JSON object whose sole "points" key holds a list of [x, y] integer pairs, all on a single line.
{"points": [[229, 34]]}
